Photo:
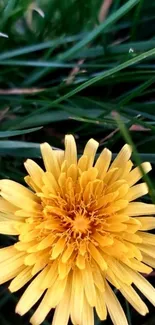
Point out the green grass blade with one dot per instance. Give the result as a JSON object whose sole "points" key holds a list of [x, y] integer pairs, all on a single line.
{"points": [[39, 47], [98, 30], [90, 82], [6, 134], [136, 92]]}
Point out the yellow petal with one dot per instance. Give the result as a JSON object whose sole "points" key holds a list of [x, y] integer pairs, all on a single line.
{"points": [[9, 186], [123, 192], [8, 228], [41, 312], [29, 181], [58, 247], [135, 175], [20, 201], [59, 156], [102, 239], [97, 256], [21, 279], [116, 206], [139, 266], [133, 238], [55, 292], [148, 260], [50, 182], [80, 262], [122, 157], [118, 217], [61, 315], [12, 218], [143, 285], [46, 242], [35, 172], [88, 176], [70, 150], [139, 208], [40, 264], [110, 276], [119, 271], [63, 269], [90, 151], [118, 247], [115, 186], [126, 169], [147, 238], [28, 214], [6, 206], [82, 163], [114, 308], [104, 200], [132, 225], [115, 227], [88, 314], [31, 259], [77, 297], [11, 267], [31, 294], [67, 253], [103, 162], [109, 176], [88, 283], [51, 276], [100, 305], [50, 159], [147, 223], [130, 294], [29, 236], [72, 172], [148, 249], [22, 246], [136, 191], [7, 253], [98, 278], [134, 250]]}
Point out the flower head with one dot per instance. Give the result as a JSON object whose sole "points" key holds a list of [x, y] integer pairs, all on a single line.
{"points": [[79, 231]]}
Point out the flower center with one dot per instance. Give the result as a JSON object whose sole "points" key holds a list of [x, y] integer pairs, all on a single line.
{"points": [[80, 224]]}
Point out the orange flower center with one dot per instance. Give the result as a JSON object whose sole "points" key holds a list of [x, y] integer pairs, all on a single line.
{"points": [[81, 224]]}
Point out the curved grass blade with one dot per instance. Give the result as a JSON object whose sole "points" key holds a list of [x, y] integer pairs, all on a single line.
{"points": [[90, 82], [7, 134]]}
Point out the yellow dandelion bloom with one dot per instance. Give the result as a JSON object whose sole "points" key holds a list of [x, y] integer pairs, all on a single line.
{"points": [[79, 232]]}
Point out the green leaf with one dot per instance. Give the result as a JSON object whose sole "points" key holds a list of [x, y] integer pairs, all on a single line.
{"points": [[39, 47], [91, 81], [19, 149], [6, 134], [136, 92], [98, 30]]}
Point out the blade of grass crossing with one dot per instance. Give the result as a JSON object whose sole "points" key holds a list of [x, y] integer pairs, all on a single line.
{"points": [[7, 11], [136, 19], [90, 82], [6, 134], [41, 46], [97, 31], [137, 91], [128, 312]]}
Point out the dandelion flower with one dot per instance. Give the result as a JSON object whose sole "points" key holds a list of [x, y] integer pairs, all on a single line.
{"points": [[79, 232]]}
